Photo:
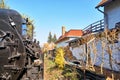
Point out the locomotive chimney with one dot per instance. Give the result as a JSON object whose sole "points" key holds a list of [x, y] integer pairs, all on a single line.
{"points": [[63, 30]]}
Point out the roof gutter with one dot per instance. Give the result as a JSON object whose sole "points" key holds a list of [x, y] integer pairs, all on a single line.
{"points": [[105, 16]]}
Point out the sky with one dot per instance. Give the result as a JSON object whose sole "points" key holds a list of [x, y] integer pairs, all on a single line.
{"points": [[51, 15]]}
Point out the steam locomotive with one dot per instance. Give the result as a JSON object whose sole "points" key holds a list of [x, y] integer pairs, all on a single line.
{"points": [[20, 57]]}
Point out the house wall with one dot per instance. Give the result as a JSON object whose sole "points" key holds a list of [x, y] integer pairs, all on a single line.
{"points": [[65, 42], [113, 12], [62, 44]]}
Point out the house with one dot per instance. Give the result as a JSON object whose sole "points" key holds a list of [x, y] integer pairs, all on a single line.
{"points": [[111, 12], [68, 35], [94, 48], [112, 18], [79, 48]]}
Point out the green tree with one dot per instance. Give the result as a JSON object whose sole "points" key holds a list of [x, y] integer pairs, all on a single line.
{"points": [[49, 38], [54, 39], [3, 4], [30, 26]]}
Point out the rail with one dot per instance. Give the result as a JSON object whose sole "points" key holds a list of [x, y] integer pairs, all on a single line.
{"points": [[94, 27], [86, 74], [90, 75]]}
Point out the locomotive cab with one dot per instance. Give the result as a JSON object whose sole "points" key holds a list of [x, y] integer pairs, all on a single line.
{"points": [[24, 28]]}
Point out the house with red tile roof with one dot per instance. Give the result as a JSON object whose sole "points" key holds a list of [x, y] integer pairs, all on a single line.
{"points": [[94, 47], [111, 12], [112, 19], [97, 49], [68, 35]]}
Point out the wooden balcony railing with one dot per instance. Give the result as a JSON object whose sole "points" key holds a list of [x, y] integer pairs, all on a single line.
{"points": [[94, 27]]}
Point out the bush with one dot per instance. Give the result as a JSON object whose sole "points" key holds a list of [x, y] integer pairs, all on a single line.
{"points": [[70, 73], [59, 58]]}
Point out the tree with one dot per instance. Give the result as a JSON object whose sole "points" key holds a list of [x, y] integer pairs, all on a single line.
{"points": [[3, 5], [30, 26], [49, 38], [54, 39]]}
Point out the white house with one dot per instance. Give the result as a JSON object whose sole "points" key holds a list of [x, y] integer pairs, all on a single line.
{"points": [[111, 12], [68, 35], [112, 16]]}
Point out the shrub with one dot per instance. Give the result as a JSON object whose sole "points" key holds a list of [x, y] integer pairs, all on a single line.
{"points": [[59, 58]]}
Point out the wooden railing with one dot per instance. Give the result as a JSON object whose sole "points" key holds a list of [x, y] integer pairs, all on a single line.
{"points": [[94, 27]]}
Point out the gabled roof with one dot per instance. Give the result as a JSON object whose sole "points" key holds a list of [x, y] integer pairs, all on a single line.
{"points": [[70, 33], [103, 3], [74, 33]]}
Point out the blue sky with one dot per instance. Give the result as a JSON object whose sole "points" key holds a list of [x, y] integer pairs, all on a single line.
{"points": [[51, 15]]}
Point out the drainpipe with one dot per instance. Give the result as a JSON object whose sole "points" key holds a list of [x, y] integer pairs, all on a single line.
{"points": [[105, 16]]}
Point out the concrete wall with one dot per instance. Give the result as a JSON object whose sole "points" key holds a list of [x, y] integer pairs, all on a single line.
{"points": [[115, 54], [113, 11], [79, 53]]}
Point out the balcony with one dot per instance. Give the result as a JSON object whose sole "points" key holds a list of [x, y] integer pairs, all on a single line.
{"points": [[94, 27]]}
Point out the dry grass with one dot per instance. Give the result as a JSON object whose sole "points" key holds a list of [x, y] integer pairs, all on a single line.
{"points": [[51, 72]]}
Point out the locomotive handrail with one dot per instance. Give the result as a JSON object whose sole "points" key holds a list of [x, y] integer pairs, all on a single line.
{"points": [[4, 34], [14, 56], [30, 52]]}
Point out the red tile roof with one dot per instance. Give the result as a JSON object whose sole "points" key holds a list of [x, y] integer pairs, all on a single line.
{"points": [[103, 3], [73, 33], [70, 33]]}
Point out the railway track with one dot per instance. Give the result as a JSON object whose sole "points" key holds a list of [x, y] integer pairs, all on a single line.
{"points": [[87, 74]]}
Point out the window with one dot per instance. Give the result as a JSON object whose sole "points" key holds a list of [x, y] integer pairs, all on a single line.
{"points": [[24, 29]]}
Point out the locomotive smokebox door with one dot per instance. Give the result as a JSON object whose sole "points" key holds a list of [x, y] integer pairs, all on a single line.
{"points": [[12, 50]]}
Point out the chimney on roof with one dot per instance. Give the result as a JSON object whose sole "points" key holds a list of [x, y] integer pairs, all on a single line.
{"points": [[63, 30]]}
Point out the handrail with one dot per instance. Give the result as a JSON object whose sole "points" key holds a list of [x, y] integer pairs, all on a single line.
{"points": [[94, 27]]}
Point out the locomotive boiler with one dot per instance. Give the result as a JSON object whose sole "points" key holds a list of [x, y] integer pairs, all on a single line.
{"points": [[19, 56]]}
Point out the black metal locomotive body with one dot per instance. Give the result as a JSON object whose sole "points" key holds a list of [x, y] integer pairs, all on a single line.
{"points": [[17, 56]]}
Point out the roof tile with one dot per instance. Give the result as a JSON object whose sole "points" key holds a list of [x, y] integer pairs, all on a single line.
{"points": [[71, 33]]}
